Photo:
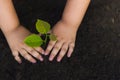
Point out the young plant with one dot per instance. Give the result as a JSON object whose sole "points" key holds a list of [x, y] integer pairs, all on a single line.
{"points": [[35, 40]]}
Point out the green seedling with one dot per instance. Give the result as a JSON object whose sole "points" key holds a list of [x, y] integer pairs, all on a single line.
{"points": [[35, 40]]}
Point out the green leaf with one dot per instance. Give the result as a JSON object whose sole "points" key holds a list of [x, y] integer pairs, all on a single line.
{"points": [[52, 37], [42, 26], [33, 40]]}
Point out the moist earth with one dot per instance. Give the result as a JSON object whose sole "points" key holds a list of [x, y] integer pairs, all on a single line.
{"points": [[97, 51]]}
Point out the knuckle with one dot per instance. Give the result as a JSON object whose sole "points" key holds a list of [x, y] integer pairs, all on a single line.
{"points": [[71, 51], [64, 49], [29, 58], [51, 44], [32, 51], [36, 55], [62, 54], [24, 54], [72, 44], [56, 47], [53, 54], [48, 50], [38, 48], [21, 44]]}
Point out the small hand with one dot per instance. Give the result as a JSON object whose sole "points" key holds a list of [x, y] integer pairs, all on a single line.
{"points": [[65, 42], [15, 40]]}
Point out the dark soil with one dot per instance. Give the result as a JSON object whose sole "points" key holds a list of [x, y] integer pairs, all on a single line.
{"points": [[97, 52]]}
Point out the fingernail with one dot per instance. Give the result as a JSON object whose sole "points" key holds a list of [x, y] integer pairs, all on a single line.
{"points": [[41, 59], [69, 55], [50, 59], [46, 54], [42, 52], [33, 61], [58, 60]]}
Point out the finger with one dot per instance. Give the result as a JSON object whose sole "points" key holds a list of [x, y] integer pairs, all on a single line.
{"points": [[62, 52], [71, 48], [30, 49], [27, 56], [16, 56], [36, 55], [34, 52], [40, 50], [50, 46], [55, 50], [15, 53]]}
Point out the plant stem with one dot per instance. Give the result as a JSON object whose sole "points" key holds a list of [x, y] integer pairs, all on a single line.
{"points": [[45, 38]]}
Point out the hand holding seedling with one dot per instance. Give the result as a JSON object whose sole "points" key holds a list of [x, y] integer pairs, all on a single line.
{"points": [[15, 39], [35, 40], [65, 41], [65, 32], [61, 37], [15, 33]]}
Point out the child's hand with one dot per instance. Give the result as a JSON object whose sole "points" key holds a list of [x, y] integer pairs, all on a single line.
{"points": [[66, 35], [15, 40]]}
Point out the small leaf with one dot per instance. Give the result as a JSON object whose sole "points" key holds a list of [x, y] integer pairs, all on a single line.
{"points": [[42, 26], [52, 37], [33, 40]]}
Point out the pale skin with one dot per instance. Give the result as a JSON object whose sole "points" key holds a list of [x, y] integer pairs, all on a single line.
{"points": [[65, 30]]}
